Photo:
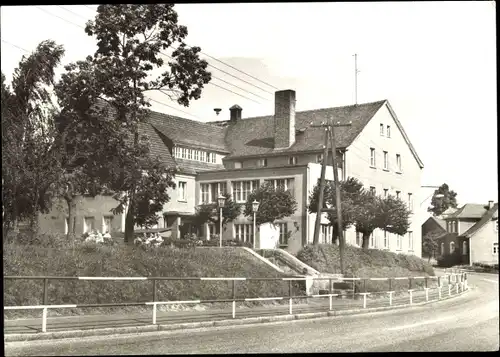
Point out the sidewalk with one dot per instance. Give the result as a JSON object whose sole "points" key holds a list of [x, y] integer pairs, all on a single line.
{"points": [[65, 323]]}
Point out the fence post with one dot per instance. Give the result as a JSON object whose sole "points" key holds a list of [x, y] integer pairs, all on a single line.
{"points": [[44, 319], [331, 292], [234, 299], [45, 291], [290, 294]]}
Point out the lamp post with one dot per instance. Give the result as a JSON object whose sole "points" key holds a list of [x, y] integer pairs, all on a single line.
{"points": [[221, 201], [255, 208]]}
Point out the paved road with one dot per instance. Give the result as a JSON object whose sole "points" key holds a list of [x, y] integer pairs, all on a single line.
{"points": [[466, 323]]}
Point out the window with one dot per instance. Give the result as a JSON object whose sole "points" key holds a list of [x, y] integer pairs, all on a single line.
{"points": [[217, 189], [244, 232], [372, 157], [106, 223], [388, 131], [496, 225], [292, 160], [410, 202], [326, 234], [182, 191], [285, 184], [386, 191], [452, 247], [196, 155], [214, 157], [398, 193], [208, 156], [237, 165], [373, 191], [398, 162], [205, 193], [319, 158], [262, 162], [212, 230], [241, 189], [495, 248], [203, 156], [183, 153], [442, 248], [386, 240], [399, 242], [177, 151], [283, 233], [359, 239], [386, 160], [410, 241], [464, 248], [455, 227], [189, 154], [88, 224], [381, 129]]}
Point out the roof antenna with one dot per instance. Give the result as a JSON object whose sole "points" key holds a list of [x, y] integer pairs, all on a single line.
{"points": [[217, 110], [356, 71]]}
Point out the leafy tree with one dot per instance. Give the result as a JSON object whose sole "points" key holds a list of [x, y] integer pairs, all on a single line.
{"points": [[441, 204], [390, 214], [29, 165], [430, 243], [351, 191], [274, 203], [211, 213], [130, 39]]}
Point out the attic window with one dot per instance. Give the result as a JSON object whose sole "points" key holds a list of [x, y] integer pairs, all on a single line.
{"points": [[388, 131], [262, 162], [381, 129]]}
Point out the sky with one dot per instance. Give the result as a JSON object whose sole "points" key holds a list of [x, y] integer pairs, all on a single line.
{"points": [[434, 61]]}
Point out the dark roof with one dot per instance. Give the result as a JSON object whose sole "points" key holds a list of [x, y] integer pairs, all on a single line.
{"points": [[255, 136], [189, 132], [440, 222], [469, 211], [485, 219], [157, 147], [193, 167]]}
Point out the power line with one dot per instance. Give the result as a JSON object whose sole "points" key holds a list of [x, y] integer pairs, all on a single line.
{"points": [[180, 110], [93, 10], [62, 18], [222, 80], [229, 90], [239, 70], [74, 13], [11, 44]]}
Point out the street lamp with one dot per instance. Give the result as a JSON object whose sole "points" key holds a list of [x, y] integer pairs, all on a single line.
{"points": [[255, 208], [221, 200]]}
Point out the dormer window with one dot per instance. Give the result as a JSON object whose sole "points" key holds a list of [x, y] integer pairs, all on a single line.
{"points": [[319, 158], [292, 160]]}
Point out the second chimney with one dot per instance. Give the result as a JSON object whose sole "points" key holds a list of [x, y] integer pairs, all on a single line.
{"points": [[235, 111], [490, 204], [284, 119]]}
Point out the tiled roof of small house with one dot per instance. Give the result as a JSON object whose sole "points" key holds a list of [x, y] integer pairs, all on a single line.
{"points": [[469, 211], [490, 213], [439, 221]]}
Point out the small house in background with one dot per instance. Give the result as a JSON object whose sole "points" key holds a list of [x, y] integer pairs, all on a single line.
{"points": [[433, 225], [472, 231]]}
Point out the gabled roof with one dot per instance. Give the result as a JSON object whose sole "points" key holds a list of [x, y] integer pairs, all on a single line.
{"points": [[469, 211], [485, 219], [439, 221], [255, 136], [156, 144]]}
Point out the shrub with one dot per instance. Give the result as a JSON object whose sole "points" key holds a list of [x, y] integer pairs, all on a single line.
{"points": [[449, 260], [371, 263]]}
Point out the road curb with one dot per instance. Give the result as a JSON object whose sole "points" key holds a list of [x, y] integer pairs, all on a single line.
{"points": [[205, 324]]}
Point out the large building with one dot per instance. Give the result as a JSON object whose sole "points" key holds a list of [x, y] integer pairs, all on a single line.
{"points": [[238, 154]]}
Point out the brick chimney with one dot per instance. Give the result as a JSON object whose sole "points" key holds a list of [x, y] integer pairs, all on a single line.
{"points": [[490, 204], [284, 119], [235, 111]]}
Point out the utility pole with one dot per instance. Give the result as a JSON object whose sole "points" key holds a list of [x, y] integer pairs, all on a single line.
{"points": [[317, 225], [338, 205], [330, 134]]}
